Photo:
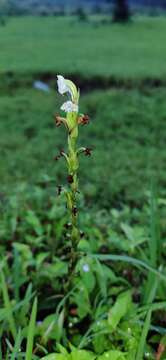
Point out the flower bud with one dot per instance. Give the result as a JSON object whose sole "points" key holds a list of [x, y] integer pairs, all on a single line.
{"points": [[70, 179], [74, 210], [88, 151], [59, 189], [83, 119]]}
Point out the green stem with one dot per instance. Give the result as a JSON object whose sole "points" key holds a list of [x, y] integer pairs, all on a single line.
{"points": [[73, 172]]}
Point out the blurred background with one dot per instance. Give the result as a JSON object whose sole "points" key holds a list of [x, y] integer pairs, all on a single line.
{"points": [[115, 51]]}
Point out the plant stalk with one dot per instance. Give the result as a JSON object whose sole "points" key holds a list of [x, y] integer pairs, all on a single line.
{"points": [[72, 198]]}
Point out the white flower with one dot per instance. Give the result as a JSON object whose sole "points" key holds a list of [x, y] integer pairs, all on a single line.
{"points": [[67, 86], [86, 268], [62, 85], [69, 106]]}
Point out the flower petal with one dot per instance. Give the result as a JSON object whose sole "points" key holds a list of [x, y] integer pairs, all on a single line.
{"points": [[67, 86], [69, 106], [62, 86], [86, 268]]}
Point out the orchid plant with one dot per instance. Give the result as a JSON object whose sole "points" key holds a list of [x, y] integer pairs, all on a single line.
{"points": [[71, 121]]}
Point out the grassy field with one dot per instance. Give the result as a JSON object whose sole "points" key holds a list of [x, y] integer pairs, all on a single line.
{"points": [[64, 45], [128, 142], [115, 305]]}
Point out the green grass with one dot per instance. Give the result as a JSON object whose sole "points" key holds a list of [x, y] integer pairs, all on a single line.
{"points": [[128, 142], [56, 44]]}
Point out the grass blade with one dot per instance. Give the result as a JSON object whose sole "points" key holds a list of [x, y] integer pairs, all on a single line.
{"points": [[16, 274], [17, 345], [152, 282], [154, 243], [31, 331], [8, 306], [1, 351], [146, 326], [145, 308], [140, 351], [130, 260], [15, 308]]}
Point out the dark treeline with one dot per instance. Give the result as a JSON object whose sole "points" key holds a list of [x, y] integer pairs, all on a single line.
{"points": [[61, 6]]}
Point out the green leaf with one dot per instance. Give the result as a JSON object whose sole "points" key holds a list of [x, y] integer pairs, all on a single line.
{"points": [[56, 357], [81, 299], [88, 277], [101, 342], [62, 350], [24, 251], [48, 328], [34, 222], [40, 259], [135, 235], [163, 340], [119, 309], [82, 355], [57, 269], [112, 355], [102, 279]]}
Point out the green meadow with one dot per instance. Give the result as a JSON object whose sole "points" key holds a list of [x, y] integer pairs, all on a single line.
{"points": [[116, 307], [96, 47], [126, 132]]}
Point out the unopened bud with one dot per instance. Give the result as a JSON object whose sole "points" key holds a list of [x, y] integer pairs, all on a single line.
{"points": [[74, 210], [62, 153], [82, 234], [59, 189], [68, 236], [88, 151], [58, 120], [83, 119], [68, 225], [70, 179]]}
